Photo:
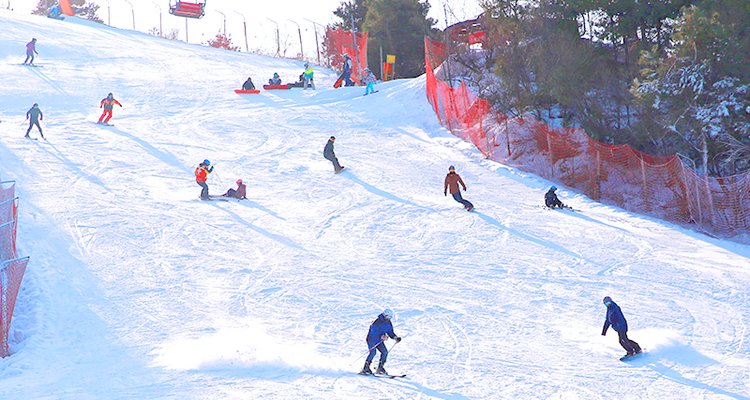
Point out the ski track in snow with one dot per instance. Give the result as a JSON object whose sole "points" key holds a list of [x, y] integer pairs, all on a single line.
{"points": [[136, 289]]}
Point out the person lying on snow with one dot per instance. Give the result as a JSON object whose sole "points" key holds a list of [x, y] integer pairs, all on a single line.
{"points": [[239, 193]]}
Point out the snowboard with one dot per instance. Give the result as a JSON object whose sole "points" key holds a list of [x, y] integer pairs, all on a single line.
{"points": [[32, 65], [374, 91], [339, 81], [241, 91], [274, 87], [627, 358]]}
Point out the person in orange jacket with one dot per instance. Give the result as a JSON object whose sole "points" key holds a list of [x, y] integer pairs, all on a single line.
{"points": [[451, 181], [108, 103], [201, 175]]}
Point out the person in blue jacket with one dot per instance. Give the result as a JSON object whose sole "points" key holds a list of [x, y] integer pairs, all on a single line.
{"points": [[619, 324], [380, 330]]}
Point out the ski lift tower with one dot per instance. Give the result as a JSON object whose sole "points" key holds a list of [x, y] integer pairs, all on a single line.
{"points": [[188, 10]]}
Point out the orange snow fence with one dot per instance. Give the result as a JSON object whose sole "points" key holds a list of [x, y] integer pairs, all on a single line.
{"points": [[660, 187], [339, 41], [11, 267], [65, 7]]}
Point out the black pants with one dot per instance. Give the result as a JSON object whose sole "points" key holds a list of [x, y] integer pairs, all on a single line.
{"points": [[204, 191], [457, 196], [335, 161], [555, 203], [31, 125], [630, 346]]}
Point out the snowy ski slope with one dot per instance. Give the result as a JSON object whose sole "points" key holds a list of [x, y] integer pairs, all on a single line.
{"points": [[136, 290]]}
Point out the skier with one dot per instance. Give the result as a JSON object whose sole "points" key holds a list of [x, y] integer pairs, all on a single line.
{"points": [[239, 193], [619, 324], [347, 71], [551, 200], [380, 330], [108, 103], [308, 74], [30, 51], [34, 115], [201, 175], [452, 180], [276, 80], [369, 80], [331, 156], [248, 85]]}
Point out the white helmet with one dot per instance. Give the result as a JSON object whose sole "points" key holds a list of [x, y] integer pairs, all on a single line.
{"points": [[388, 313]]}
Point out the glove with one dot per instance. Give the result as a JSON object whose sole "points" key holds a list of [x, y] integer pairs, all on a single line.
{"points": [[398, 339], [445, 194], [211, 169]]}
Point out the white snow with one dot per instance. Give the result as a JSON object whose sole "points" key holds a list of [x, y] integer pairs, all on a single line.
{"points": [[136, 290]]}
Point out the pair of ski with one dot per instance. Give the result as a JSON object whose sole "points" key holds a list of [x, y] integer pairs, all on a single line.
{"points": [[385, 376]]}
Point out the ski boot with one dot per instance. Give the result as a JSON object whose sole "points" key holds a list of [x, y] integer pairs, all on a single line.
{"points": [[381, 370], [366, 369]]}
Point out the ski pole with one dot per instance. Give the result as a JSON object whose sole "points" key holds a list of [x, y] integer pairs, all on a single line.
{"points": [[368, 351]]}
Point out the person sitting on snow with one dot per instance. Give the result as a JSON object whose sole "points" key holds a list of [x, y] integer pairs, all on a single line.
{"points": [[276, 80], [248, 85], [551, 200], [239, 193]]}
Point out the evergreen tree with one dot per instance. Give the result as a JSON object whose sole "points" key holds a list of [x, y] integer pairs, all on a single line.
{"points": [[399, 27], [348, 9]]}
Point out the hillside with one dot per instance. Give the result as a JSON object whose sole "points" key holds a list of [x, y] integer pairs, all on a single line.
{"points": [[137, 290]]}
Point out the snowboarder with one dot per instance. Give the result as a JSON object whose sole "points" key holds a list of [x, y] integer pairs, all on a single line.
{"points": [[308, 74], [452, 180], [239, 193], [617, 321], [30, 51], [347, 71], [276, 80], [369, 80], [201, 175], [380, 330], [34, 115], [331, 156], [248, 85], [108, 103], [551, 200], [55, 12]]}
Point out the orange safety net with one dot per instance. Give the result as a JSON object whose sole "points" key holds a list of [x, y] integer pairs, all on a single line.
{"points": [[339, 41], [661, 187], [11, 268], [65, 7]]}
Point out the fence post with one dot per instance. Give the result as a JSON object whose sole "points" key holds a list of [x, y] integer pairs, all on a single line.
{"points": [[507, 135], [645, 188], [598, 176], [549, 146]]}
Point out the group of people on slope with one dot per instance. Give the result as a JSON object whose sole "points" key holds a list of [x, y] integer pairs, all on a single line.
{"points": [[201, 176], [34, 115], [368, 79], [382, 329]]}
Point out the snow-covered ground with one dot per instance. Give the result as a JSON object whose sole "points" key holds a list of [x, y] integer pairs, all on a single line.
{"points": [[137, 290]]}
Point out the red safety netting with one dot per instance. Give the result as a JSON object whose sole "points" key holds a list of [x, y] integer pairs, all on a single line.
{"points": [[662, 187], [11, 268], [338, 42], [11, 276]]}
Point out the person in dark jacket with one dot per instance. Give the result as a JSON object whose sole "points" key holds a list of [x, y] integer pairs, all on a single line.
{"points": [[616, 319], [248, 85], [347, 71], [239, 193], [451, 181], [108, 103], [551, 200], [30, 51], [34, 115], [331, 156], [380, 330]]}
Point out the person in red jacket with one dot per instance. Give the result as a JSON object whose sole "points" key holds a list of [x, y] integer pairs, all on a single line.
{"points": [[451, 181], [201, 175], [108, 103], [239, 193]]}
